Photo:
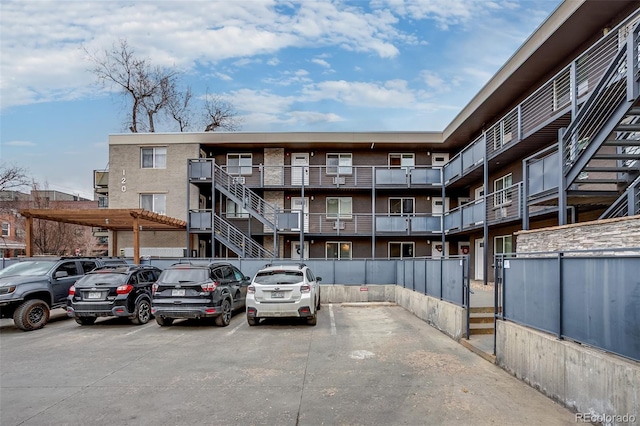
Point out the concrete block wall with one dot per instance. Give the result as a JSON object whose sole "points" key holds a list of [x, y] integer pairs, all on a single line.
{"points": [[445, 316], [584, 379], [609, 233]]}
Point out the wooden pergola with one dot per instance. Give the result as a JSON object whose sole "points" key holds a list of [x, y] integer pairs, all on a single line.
{"points": [[113, 219]]}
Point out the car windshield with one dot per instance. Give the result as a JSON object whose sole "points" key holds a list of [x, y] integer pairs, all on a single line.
{"points": [[31, 267], [279, 277], [174, 276], [97, 279]]}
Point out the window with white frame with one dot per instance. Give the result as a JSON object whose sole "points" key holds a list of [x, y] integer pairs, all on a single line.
{"points": [[339, 208], [406, 161], [502, 192], [401, 250], [401, 206], [156, 203], [503, 244], [239, 164], [338, 250], [6, 229], [234, 210], [153, 158], [339, 164]]}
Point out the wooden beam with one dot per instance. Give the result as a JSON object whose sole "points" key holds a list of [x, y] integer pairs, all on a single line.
{"points": [[136, 240], [29, 236]]}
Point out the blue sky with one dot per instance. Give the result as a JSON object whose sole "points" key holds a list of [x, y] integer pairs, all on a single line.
{"points": [[379, 65]]}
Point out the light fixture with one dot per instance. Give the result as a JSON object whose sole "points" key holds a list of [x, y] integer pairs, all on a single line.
{"points": [[312, 198]]}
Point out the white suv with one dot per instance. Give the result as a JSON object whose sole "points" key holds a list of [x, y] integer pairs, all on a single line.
{"points": [[283, 290]]}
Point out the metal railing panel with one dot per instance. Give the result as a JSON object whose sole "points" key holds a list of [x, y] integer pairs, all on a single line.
{"points": [[505, 204], [543, 174]]}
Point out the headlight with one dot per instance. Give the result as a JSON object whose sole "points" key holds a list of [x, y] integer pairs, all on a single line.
{"points": [[7, 290]]}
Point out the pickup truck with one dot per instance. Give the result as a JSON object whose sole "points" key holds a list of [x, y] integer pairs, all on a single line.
{"points": [[33, 286]]}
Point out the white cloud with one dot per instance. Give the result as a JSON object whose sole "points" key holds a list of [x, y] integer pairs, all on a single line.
{"points": [[321, 62], [19, 143], [393, 93]]}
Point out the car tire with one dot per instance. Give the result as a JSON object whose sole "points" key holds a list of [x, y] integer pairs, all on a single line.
{"points": [[31, 315], [86, 320], [164, 321], [224, 319], [312, 320], [318, 305], [253, 321], [143, 312]]}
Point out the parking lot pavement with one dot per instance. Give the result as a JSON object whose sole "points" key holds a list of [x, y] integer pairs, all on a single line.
{"points": [[376, 365]]}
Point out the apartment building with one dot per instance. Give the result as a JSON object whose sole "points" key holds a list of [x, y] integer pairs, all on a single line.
{"points": [[553, 138]]}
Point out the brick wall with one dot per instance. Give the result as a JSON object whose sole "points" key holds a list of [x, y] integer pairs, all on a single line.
{"points": [[608, 233]]}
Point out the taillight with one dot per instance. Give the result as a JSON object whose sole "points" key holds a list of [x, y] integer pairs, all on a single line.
{"points": [[72, 290], [251, 289], [305, 289], [209, 286], [154, 288], [124, 289]]}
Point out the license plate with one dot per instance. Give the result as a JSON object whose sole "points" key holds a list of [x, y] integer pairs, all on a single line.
{"points": [[177, 292], [94, 295], [277, 294]]}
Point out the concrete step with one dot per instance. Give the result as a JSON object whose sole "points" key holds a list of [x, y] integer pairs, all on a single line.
{"points": [[483, 310], [481, 320], [473, 331]]}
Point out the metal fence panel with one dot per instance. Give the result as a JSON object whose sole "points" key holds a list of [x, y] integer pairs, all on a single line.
{"points": [[530, 291], [434, 275], [601, 303], [420, 275], [452, 280]]}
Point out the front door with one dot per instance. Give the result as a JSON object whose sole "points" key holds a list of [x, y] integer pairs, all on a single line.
{"points": [[296, 206], [299, 168], [437, 206], [479, 255], [295, 250]]}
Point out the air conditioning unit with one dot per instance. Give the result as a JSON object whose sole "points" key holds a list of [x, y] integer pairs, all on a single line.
{"points": [[339, 225], [239, 179], [501, 213], [339, 180]]}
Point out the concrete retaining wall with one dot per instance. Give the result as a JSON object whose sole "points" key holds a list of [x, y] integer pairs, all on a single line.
{"points": [[445, 316], [583, 379]]}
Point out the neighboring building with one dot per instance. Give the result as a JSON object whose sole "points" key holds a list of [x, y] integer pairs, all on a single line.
{"points": [[552, 138]]}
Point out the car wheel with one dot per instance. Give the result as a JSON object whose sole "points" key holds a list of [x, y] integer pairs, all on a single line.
{"points": [[253, 321], [224, 318], [318, 305], [85, 320], [143, 312], [164, 321], [312, 320], [31, 315]]}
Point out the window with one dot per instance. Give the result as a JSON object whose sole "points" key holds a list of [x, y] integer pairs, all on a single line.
{"points": [[339, 208], [502, 193], [6, 229], [401, 250], [154, 158], [103, 202], [235, 211], [239, 164], [503, 244], [156, 203], [406, 161], [339, 164], [401, 206], [338, 250], [69, 268]]}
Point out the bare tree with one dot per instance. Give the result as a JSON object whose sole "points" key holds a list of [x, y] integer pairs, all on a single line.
{"points": [[143, 84], [179, 108], [12, 177], [219, 114]]}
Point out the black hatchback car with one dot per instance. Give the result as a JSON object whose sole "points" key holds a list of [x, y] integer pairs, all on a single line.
{"points": [[121, 291], [192, 290]]}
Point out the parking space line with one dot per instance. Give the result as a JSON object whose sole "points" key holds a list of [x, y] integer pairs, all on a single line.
{"points": [[235, 329], [333, 320], [138, 329]]}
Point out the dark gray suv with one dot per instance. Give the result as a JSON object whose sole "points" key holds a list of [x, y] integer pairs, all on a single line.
{"points": [[192, 290], [33, 286]]}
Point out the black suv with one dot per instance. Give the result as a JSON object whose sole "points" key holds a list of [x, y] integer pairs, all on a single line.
{"points": [[191, 290], [33, 286], [121, 291]]}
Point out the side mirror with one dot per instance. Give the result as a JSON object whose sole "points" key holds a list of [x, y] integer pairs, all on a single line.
{"points": [[60, 274], [318, 279]]}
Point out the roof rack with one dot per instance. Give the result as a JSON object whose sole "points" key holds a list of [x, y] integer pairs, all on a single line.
{"points": [[285, 263]]}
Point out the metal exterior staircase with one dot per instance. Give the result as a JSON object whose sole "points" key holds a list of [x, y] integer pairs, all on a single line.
{"points": [[601, 147], [244, 197], [236, 240]]}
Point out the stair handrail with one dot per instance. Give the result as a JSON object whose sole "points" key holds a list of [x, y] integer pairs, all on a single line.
{"points": [[225, 231]]}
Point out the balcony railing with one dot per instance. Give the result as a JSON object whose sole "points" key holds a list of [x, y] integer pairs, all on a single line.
{"points": [[469, 158], [504, 205], [467, 216]]}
